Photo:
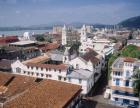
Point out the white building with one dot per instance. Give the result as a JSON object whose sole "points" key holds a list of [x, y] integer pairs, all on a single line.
{"points": [[103, 46], [134, 42], [27, 36], [87, 69], [121, 82], [69, 35], [64, 35]]}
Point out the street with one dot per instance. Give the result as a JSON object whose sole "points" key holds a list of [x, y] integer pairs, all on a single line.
{"points": [[95, 98]]}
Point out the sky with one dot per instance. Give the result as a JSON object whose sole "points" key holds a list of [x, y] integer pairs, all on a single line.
{"points": [[35, 12]]}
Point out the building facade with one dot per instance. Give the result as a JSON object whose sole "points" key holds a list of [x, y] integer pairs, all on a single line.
{"points": [[121, 82], [84, 70], [69, 36], [103, 46]]}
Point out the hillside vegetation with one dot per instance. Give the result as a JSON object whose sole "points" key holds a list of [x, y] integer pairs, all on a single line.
{"points": [[133, 22], [129, 51]]}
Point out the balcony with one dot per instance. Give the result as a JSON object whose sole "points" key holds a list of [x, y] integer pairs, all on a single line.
{"points": [[117, 76], [125, 89], [125, 97]]}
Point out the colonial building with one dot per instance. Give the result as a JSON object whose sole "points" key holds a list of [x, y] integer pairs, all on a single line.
{"points": [[103, 46], [69, 35], [12, 53], [84, 70], [121, 82]]}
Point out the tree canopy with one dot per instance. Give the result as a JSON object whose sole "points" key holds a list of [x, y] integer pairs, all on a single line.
{"points": [[40, 38], [131, 51]]}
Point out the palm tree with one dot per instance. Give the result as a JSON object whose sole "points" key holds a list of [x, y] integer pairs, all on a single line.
{"points": [[136, 84]]}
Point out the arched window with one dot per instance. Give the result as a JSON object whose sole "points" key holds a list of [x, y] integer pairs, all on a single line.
{"points": [[77, 66], [18, 70]]}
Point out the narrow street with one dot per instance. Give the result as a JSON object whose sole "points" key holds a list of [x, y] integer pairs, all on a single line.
{"points": [[95, 98]]}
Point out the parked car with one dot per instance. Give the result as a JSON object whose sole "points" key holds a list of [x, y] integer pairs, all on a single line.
{"points": [[107, 93]]}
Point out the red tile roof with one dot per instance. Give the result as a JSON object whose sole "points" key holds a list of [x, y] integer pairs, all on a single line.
{"points": [[91, 56], [14, 84], [129, 59], [8, 39], [50, 46], [4, 77], [47, 94]]}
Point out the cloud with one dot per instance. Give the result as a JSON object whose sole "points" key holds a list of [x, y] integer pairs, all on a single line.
{"points": [[18, 12]]}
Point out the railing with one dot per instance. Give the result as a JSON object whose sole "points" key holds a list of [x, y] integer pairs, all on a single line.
{"points": [[126, 97], [116, 76]]}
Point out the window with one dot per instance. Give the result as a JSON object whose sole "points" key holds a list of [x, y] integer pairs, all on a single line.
{"points": [[64, 78], [42, 69], [65, 58], [18, 70], [28, 73], [32, 73], [117, 81], [50, 75], [126, 101], [42, 75], [37, 74], [24, 72], [59, 77], [54, 70], [59, 70], [116, 99], [127, 83], [119, 74], [46, 69]]}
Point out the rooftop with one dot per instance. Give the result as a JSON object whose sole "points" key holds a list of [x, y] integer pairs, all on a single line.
{"points": [[50, 46], [14, 85], [119, 62], [80, 74], [90, 56], [53, 94], [39, 59], [20, 43], [133, 41], [5, 64], [129, 59]]}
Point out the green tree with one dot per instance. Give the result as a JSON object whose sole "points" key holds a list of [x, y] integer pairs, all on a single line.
{"points": [[136, 84], [40, 38], [131, 51], [110, 62]]}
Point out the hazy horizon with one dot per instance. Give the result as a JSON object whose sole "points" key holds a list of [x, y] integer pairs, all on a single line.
{"points": [[36, 12]]}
